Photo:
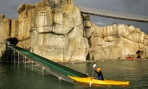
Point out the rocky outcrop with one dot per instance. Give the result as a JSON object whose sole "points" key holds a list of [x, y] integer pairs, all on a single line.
{"points": [[53, 31], [58, 31], [8, 29], [2, 34], [116, 41], [64, 1]]}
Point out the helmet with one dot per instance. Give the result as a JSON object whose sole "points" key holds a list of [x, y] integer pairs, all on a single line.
{"points": [[98, 69]]}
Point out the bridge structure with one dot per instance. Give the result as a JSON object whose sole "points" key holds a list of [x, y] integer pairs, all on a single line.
{"points": [[111, 14]]}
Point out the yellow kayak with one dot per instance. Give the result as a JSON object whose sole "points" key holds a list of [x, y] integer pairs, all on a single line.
{"points": [[98, 82]]}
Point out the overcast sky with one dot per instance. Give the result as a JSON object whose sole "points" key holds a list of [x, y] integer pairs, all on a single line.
{"points": [[137, 7]]}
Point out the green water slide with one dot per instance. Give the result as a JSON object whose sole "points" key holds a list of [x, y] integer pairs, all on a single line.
{"points": [[55, 68]]}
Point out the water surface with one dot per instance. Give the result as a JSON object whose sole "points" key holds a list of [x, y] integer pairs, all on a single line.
{"points": [[17, 77]]}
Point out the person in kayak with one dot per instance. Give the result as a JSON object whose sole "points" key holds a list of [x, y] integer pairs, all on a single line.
{"points": [[100, 75]]}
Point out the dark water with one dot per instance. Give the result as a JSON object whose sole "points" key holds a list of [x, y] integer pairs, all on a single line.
{"points": [[14, 77]]}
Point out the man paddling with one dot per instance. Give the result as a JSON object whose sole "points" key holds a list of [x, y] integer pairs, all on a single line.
{"points": [[100, 75]]}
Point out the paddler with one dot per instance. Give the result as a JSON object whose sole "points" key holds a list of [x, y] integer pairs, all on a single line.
{"points": [[100, 75]]}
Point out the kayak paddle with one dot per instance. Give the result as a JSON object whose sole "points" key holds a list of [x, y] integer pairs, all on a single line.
{"points": [[94, 65]]}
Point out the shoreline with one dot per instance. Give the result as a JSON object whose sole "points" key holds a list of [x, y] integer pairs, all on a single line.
{"points": [[77, 62]]}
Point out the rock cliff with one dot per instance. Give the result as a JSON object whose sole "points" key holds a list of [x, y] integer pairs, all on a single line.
{"points": [[116, 41], [53, 30], [58, 31]]}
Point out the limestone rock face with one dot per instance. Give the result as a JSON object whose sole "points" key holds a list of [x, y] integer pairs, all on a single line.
{"points": [[117, 42], [14, 28], [2, 34], [8, 29], [53, 32], [88, 26], [64, 1], [56, 29]]}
